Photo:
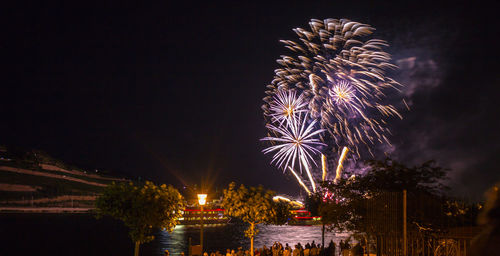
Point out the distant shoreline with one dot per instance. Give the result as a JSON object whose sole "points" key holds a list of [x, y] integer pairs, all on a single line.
{"points": [[53, 210]]}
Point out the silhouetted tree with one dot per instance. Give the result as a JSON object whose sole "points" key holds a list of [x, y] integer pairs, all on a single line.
{"points": [[428, 203], [141, 208], [254, 205]]}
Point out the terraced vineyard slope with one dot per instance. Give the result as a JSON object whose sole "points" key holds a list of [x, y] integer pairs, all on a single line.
{"points": [[32, 181]]}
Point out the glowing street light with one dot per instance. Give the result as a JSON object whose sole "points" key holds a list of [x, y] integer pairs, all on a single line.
{"points": [[202, 200]]}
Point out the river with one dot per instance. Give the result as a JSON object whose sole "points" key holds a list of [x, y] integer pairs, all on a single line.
{"points": [[82, 234]]}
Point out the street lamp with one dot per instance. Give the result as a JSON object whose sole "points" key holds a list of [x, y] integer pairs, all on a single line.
{"points": [[202, 200]]}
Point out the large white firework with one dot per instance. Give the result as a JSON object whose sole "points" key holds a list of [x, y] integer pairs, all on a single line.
{"points": [[341, 74], [296, 142]]}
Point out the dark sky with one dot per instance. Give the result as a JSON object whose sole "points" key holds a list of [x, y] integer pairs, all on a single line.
{"points": [[172, 91]]}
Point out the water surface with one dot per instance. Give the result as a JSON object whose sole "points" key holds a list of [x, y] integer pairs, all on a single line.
{"points": [[82, 234]]}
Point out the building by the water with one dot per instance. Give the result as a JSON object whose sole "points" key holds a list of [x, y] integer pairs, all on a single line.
{"points": [[214, 214], [211, 215]]}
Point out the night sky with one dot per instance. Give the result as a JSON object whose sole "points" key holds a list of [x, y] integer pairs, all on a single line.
{"points": [[172, 92]]}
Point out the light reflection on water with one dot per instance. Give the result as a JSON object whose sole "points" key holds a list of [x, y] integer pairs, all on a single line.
{"points": [[231, 236]]}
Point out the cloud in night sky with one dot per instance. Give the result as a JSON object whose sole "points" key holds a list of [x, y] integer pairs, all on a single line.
{"points": [[418, 75], [426, 134]]}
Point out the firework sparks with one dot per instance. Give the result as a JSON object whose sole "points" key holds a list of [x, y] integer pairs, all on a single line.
{"points": [[311, 179], [323, 167], [286, 106], [342, 94], [297, 142], [338, 172], [340, 74], [299, 180]]}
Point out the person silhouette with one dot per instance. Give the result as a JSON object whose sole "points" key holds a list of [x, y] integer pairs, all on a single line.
{"points": [[487, 242], [341, 246]]}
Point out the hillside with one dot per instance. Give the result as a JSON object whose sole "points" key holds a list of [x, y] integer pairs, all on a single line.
{"points": [[32, 181]]}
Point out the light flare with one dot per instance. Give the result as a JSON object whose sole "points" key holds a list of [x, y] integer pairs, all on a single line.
{"points": [[291, 201], [277, 198]]}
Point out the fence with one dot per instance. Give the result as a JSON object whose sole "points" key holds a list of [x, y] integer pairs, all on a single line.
{"points": [[418, 221]]}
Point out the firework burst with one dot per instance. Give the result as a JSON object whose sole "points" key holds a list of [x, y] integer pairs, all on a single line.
{"points": [[296, 142], [343, 94], [340, 74], [286, 106]]}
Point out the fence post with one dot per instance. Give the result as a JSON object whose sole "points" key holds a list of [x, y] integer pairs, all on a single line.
{"points": [[404, 224]]}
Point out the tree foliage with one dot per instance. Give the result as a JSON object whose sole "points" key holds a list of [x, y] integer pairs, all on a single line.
{"points": [[338, 207], [341, 205], [427, 202], [141, 208], [283, 214], [391, 175], [254, 205]]}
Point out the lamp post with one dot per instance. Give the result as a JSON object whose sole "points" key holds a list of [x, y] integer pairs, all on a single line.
{"points": [[202, 199]]}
